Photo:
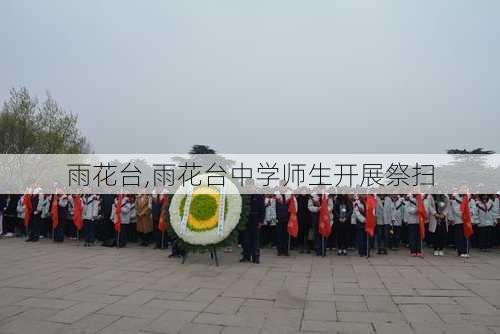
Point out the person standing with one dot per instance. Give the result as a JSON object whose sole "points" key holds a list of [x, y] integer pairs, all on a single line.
{"points": [[251, 249], [36, 199], [304, 223], [342, 212], [313, 205], [385, 217], [359, 217], [395, 230], [3, 206], [90, 215], [62, 211], [438, 222], [45, 216], [268, 230], [456, 215], [144, 220], [282, 216], [120, 215], [412, 218], [486, 221]]}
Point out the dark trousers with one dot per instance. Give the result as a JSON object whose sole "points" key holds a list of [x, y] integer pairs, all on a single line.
{"points": [[395, 237], [485, 237], [89, 230], [144, 237], [160, 239], [69, 228], [361, 240], [282, 237], [132, 232], [9, 223], [123, 235], [343, 235], [414, 238], [268, 235], [34, 227], [460, 241], [320, 242], [382, 236], [59, 231], [439, 236], [45, 226], [251, 249]]}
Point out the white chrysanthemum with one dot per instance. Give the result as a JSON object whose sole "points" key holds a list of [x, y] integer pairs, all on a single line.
{"points": [[233, 208]]}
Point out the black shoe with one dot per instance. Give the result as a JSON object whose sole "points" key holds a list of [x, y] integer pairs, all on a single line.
{"points": [[256, 261], [244, 259], [28, 240]]}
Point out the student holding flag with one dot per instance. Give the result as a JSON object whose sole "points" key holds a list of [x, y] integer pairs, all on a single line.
{"points": [[415, 217], [120, 215], [77, 203], [324, 224], [461, 219]]}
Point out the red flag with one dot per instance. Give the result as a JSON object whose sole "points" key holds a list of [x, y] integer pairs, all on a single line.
{"points": [[118, 213], [28, 209], [466, 216], [54, 211], [324, 227], [162, 224], [370, 220], [422, 215], [293, 225], [77, 212]]}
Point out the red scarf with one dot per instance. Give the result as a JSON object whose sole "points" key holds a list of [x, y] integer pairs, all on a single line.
{"points": [[466, 216], [422, 215], [77, 212], [324, 227], [162, 224], [118, 213], [54, 211], [370, 218], [28, 208], [293, 225]]}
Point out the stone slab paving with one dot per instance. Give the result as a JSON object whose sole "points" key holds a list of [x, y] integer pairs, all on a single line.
{"points": [[66, 288]]}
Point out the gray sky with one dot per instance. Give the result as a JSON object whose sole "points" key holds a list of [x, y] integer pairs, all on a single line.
{"points": [[284, 76]]}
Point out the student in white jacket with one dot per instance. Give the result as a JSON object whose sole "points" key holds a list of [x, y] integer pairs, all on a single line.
{"points": [[486, 220], [397, 223], [90, 215]]}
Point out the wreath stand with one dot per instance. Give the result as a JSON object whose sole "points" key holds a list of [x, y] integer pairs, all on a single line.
{"points": [[214, 259]]}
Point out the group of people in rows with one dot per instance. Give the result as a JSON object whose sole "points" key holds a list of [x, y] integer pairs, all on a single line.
{"points": [[463, 221], [397, 219], [91, 217]]}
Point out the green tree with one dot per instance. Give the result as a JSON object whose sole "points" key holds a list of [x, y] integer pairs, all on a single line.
{"points": [[27, 126]]}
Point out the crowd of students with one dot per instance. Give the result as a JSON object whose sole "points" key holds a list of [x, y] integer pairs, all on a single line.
{"points": [[143, 218]]}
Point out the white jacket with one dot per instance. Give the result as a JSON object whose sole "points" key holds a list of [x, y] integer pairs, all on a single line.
{"points": [[486, 213], [411, 216], [90, 207]]}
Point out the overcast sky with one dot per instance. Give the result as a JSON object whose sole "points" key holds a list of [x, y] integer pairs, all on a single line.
{"points": [[263, 76]]}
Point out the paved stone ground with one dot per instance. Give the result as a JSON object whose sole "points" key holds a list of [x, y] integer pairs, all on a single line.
{"points": [[49, 288]]}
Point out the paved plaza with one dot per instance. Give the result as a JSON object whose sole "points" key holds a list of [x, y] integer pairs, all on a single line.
{"points": [[67, 288]]}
